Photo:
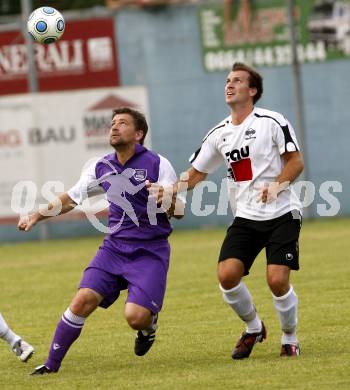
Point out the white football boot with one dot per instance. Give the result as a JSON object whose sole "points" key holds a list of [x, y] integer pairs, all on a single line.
{"points": [[23, 350]]}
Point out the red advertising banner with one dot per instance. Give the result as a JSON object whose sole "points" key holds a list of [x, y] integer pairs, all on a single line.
{"points": [[85, 57]]}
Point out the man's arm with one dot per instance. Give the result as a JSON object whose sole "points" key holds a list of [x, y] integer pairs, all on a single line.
{"points": [[188, 180], [61, 205], [294, 165], [177, 208], [191, 177], [207, 158]]}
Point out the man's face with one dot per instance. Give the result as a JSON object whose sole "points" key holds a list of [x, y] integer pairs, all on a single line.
{"points": [[123, 131], [237, 89]]}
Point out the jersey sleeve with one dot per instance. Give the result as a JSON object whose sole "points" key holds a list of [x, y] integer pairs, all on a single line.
{"points": [[284, 137], [86, 186], [207, 158], [167, 175]]}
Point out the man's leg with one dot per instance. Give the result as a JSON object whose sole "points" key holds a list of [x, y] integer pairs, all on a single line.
{"points": [[69, 328], [146, 275], [286, 304], [237, 296], [142, 319], [22, 349]]}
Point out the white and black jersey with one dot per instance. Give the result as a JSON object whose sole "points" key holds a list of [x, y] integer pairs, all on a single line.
{"points": [[252, 154]]}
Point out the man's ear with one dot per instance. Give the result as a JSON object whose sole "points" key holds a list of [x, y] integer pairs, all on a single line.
{"points": [[253, 91], [139, 135]]}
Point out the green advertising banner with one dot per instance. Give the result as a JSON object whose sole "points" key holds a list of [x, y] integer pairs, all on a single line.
{"points": [[257, 32]]}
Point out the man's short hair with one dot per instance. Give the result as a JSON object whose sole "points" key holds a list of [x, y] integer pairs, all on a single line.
{"points": [[139, 119], [255, 79]]}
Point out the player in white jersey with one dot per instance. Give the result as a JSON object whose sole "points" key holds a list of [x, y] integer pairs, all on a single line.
{"points": [[262, 157], [22, 349]]}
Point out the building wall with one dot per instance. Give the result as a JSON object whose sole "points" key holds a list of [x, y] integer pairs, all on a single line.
{"points": [[161, 50]]}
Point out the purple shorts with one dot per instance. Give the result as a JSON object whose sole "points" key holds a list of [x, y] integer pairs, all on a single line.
{"points": [[141, 268]]}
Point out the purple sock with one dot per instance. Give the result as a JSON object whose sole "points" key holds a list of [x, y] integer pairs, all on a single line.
{"points": [[67, 331]]}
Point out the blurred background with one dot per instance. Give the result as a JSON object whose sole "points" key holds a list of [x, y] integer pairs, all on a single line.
{"points": [[168, 59]]}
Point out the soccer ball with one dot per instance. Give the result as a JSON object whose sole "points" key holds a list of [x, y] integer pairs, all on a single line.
{"points": [[45, 25]]}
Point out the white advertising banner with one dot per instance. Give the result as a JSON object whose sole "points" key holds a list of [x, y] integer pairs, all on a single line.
{"points": [[46, 138]]}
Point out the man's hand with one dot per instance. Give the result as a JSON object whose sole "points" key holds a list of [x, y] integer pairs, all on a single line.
{"points": [[26, 222], [163, 195], [60, 205], [269, 193], [166, 199]]}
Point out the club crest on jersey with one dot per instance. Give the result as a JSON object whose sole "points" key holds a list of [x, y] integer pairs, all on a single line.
{"points": [[250, 134], [140, 174], [240, 165]]}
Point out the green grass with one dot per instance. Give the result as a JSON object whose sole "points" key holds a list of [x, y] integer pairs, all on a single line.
{"points": [[196, 329]]}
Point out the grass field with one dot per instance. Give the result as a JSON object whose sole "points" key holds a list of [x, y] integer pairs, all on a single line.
{"points": [[196, 329]]}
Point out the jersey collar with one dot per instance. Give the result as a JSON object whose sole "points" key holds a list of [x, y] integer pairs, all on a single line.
{"points": [[139, 149], [229, 121]]}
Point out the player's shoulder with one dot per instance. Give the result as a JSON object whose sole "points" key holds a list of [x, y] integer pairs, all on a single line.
{"points": [[163, 158], [105, 159], [151, 155], [103, 162], [265, 114], [216, 130], [164, 161], [108, 157], [158, 163]]}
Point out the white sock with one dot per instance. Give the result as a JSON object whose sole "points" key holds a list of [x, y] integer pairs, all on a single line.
{"points": [[289, 338], [287, 310], [241, 302], [72, 319], [6, 333]]}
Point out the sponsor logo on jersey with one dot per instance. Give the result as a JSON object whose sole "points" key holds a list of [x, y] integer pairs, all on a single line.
{"points": [[240, 164], [237, 154]]}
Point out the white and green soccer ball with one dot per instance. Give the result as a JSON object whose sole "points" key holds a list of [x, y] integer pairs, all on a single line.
{"points": [[45, 25]]}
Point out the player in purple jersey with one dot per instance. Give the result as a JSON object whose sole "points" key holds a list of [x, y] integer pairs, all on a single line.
{"points": [[135, 253], [21, 348], [262, 157]]}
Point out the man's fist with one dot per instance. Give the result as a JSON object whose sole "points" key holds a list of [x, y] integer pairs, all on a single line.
{"points": [[26, 222]]}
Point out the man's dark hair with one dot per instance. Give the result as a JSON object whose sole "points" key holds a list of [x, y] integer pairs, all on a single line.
{"points": [[255, 79], [139, 119]]}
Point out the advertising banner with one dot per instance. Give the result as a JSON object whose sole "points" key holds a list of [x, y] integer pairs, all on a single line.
{"points": [[46, 139], [257, 32], [85, 57]]}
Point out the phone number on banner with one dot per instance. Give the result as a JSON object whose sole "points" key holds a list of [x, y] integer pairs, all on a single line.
{"points": [[264, 56]]}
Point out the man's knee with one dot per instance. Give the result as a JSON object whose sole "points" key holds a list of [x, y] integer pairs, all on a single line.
{"points": [[277, 286], [230, 273], [278, 279], [85, 302], [138, 317]]}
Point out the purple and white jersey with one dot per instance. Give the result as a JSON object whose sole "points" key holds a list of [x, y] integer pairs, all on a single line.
{"points": [[131, 215]]}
